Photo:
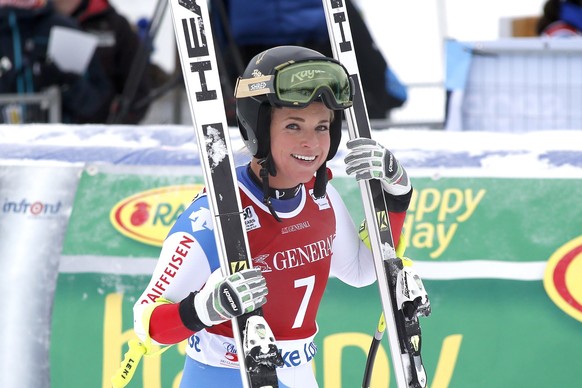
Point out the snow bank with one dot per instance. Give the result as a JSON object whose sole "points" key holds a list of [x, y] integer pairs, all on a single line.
{"points": [[423, 152]]}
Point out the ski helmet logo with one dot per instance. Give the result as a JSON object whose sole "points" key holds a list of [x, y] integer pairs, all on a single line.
{"points": [[562, 278], [257, 86], [148, 216]]}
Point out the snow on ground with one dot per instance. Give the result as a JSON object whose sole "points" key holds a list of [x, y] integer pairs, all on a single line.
{"points": [[550, 154]]}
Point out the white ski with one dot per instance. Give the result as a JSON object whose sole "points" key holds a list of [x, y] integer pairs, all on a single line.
{"points": [[200, 70], [401, 319]]}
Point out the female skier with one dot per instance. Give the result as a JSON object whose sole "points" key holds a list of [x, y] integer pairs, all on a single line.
{"points": [[289, 110]]}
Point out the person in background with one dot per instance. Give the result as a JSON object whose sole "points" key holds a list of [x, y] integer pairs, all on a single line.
{"points": [[118, 46], [561, 18], [257, 25], [25, 67], [299, 230]]}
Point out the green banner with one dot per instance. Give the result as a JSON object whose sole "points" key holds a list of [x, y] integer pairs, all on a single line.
{"points": [[504, 314]]}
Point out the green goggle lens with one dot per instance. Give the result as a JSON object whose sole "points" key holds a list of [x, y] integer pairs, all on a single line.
{"points": [[299, 83]]}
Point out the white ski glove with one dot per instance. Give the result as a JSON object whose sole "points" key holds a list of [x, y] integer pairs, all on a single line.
{"points": [[223, 298], [368, 159]]}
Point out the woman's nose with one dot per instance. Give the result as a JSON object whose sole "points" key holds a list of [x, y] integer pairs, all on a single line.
{"points": [[309, 139]]}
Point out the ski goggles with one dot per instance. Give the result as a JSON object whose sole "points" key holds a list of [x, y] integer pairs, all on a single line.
{"points": [[297, 84]]}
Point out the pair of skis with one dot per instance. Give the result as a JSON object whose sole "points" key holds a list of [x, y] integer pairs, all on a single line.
{"points": [[260, 356]]}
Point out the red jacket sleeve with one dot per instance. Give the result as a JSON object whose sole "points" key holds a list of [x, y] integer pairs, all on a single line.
{"points": [[396, 224], [166, 326]]}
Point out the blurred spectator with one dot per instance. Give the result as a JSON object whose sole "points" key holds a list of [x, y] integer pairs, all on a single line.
{"points": [[119, 44], [25, 68], [561, 18], [255, 25], [157, 76]]}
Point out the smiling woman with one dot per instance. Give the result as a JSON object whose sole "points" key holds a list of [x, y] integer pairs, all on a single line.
{"points": [[289, 108]]}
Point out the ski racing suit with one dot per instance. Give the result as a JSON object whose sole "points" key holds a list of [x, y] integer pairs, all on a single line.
{"points": [[315, 240]]}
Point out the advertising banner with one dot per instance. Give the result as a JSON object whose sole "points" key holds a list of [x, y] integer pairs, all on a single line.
{"points": [[35, 204], [482, 245], [494, 229]]}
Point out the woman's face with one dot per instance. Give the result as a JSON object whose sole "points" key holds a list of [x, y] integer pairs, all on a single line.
{"points": [[300, 141]]}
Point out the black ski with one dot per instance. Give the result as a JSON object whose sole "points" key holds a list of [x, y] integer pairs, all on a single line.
{"points": [[401, 315], [257, 353]]}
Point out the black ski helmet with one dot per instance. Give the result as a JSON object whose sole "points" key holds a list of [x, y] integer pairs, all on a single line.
{"points": [[254, 113]]}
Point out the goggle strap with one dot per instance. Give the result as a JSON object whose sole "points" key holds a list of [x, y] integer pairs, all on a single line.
{"points": [[249, 87]]}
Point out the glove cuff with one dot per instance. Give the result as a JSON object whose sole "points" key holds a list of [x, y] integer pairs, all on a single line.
{"points": [[188, 314], [396, 189], [398, 203]]}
